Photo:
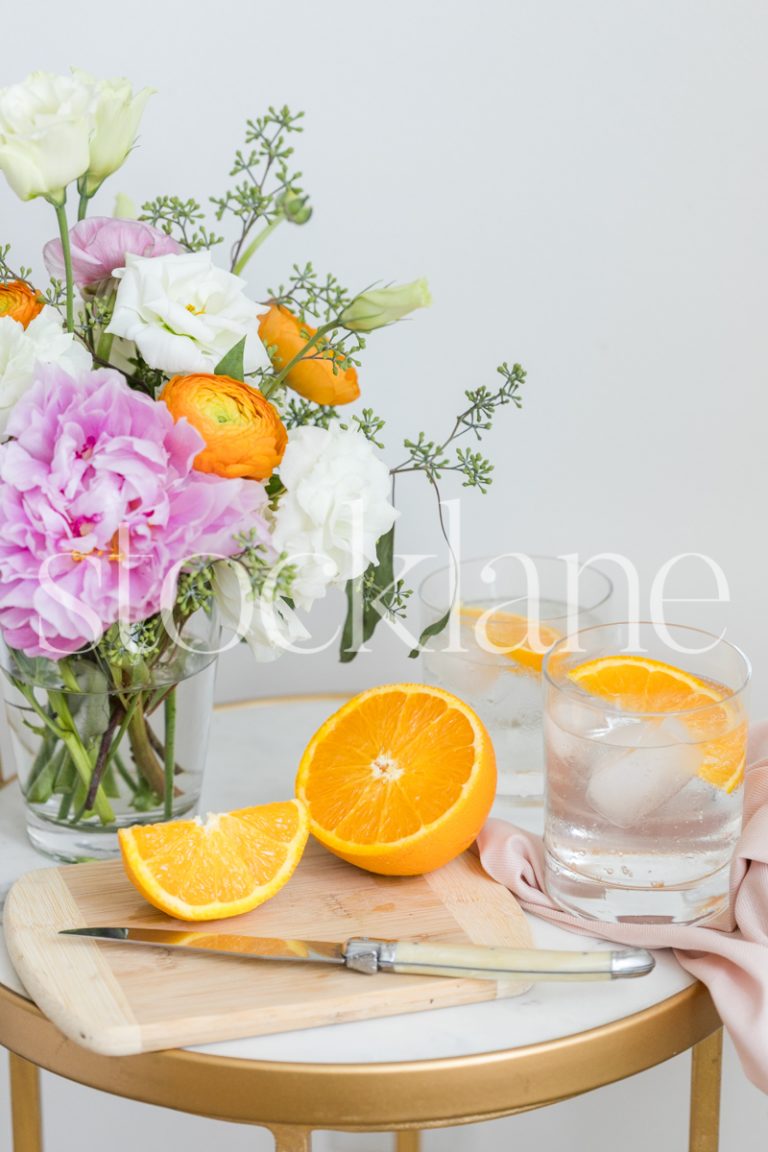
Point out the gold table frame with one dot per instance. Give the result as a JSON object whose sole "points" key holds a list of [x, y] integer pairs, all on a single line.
{"points": [[292, 1099], [403, 1097]]}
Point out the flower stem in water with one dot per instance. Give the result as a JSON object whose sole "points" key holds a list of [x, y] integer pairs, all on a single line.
{"points": [[169, 709]]}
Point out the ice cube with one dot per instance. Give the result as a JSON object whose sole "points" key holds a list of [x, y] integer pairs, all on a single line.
{"points": [[627, 786], [624, 732], [643, 732]]}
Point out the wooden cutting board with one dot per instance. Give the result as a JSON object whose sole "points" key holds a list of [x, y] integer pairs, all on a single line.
{"points": [[123, 999]]}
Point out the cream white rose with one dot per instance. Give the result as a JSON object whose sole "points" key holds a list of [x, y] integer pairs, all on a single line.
{"points": [[334, 510], [23, 350], [45, 128], [267, 624], [184, 314], [116, 113]]}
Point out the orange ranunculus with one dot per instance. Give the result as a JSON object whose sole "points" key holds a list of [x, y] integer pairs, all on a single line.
{"points": [[20, 302], [244, 436], [313, 377]]}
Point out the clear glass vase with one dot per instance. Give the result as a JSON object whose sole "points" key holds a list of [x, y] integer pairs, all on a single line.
{"points": [[99, 745]]}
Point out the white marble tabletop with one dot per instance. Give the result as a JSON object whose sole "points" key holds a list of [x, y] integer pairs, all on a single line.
{"points": [[254, 752]]}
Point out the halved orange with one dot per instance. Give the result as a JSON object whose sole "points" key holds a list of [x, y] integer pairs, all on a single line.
{"points": [[638, 684], [400, 780], [510, 634], [221, 866]]}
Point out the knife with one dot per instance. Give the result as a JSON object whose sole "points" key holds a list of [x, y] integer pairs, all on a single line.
{"points": [[370, 956]]}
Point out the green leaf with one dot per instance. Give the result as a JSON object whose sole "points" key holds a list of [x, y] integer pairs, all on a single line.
{"points": [[431, 630], [354, 590], [274, 486], [232, 363], [372, 585]]}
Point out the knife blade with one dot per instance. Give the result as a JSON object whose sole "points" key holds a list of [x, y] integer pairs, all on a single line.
{"points": [[402, 956]]}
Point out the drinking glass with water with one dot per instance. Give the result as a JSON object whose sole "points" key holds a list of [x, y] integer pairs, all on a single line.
{"points": [[508, 611], [645, 736]]}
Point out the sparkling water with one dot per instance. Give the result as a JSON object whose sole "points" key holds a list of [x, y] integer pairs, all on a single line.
{"points": [[632, 829], [506, 694]]}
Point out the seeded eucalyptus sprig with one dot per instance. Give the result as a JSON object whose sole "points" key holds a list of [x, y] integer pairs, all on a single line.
{"points": [[266, 580], [268, 190], [369, 425], [431, 457], [180, 219], [56, 293], [308, 293], [296, 413], [93, 317], [7, 273], [377, 593], [194, 590]]}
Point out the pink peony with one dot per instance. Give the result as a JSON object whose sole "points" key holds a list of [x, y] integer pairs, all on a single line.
{"points": [[99, 504], [100, 245]]}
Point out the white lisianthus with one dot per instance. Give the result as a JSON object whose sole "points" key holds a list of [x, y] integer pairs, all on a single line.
{"points": [[335, 508], [45, 127], [184, 314], [116, 113], [23, 350], [266, 622]]}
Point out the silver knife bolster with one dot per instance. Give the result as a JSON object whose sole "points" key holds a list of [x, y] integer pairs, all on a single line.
{"points": [[487, 963]]}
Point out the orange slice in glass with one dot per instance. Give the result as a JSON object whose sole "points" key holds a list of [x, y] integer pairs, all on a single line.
{"points": [[509, 634], [639, 684], [227, 864], [400, 780]]}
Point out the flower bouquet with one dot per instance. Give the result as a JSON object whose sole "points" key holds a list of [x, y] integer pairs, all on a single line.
{"points": [[174, 455]]}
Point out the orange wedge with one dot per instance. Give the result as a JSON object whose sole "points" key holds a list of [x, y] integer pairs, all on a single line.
{"points": [[227, 864], [638, 684], [509, 634], [400, 780]]}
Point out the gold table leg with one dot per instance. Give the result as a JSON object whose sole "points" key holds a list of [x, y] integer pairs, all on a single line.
{"points": [[408, 1141], [706, 1066], [290, 1139], [25, 1105]]}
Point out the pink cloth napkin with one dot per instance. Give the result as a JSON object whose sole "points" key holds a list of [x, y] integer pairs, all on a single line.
{"points": [[729, 955]]}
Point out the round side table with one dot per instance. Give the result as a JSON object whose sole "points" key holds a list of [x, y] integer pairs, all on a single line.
{"points": [[401, 1074]]}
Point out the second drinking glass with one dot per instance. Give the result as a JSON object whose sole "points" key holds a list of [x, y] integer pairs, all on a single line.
{"points": [[507, 611]]}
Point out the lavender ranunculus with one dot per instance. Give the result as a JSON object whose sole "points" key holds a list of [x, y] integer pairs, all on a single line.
{"points": [[100, 505], [100, 245]]}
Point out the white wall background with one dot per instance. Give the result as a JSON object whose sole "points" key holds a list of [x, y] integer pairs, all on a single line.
{"points": [[585, 186]]}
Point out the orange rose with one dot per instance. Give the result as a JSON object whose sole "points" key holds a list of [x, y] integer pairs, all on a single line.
{"points": [[20, 302], [244, 436], [313, 377]]}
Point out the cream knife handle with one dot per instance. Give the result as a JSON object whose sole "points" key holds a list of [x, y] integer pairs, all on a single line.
{"points": [[483, 963]]}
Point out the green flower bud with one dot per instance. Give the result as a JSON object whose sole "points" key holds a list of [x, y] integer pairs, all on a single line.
{"points": [[295, 206], [381, 306], [125, 208]]}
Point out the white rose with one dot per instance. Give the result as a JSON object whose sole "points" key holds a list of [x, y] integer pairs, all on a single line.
{"points": [[266, 623], [334, 510], [116, 113], [45, 126], [184, 314], [22, 350]]}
